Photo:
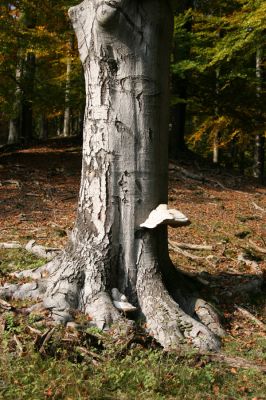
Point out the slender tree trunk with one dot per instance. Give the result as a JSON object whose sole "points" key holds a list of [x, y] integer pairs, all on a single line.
{"points": [[67, 131], [124, 47], [178, 119], [14, 123], [216, 138], [59, 124], [80, 123], [215, 157], [13, 132], [43, 128], [27, 98], [259, 153], [67, 113]]}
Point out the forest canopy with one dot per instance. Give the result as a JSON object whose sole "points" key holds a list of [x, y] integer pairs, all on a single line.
{"points": [[217, 70]]}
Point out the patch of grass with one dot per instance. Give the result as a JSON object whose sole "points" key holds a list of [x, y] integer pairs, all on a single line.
{"points": [[12, 260], [140, 375], [110, 373], [251, 347]]}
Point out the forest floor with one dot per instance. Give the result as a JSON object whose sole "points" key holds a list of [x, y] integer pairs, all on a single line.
{"points": [[38, 197]]}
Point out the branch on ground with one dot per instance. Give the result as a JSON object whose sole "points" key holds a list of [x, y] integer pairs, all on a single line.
{"points": [[257, 248]]}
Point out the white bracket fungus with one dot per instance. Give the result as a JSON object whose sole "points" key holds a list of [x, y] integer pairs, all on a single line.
{"points": [[120, 301], [163, 215]]}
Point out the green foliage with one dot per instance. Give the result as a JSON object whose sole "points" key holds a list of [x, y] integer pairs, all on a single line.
{"points": [[216, 56], [42, 28], [214, 59]]}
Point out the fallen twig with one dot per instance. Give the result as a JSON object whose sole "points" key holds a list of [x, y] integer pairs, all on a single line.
{"points": [[34, 330], [11, 182], [174, 247], [8, 307], [33, 195], [196, 177], [186, 173], [10, 246], [217, 183], [19, 345], [5, 305], [245, 313], [188, 246], [2, 325], [256, 247], [90, 353], [41, 341], [258, 207], [236, 362], [252, 264]]}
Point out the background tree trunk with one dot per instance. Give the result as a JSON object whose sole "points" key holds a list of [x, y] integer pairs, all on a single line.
{"points": [[67, 113], [259, 153], [179, 89], [178, 119], [14, 123], [43, 127], [27, 98]]}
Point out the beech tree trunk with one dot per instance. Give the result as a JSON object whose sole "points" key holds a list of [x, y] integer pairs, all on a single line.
{"points": [[124, 46]]}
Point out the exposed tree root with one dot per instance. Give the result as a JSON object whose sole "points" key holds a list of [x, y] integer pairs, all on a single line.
{"points": [[257, 248], [63, 290], [208, 316], [33, 290], [236, 362], [168, 323], [40, 272], [186, 295], [102, 311], [191, 246], [40, 251], [246, 314]]}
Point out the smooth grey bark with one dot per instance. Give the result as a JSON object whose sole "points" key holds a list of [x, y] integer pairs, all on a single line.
{"points": [[124, 46]]}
